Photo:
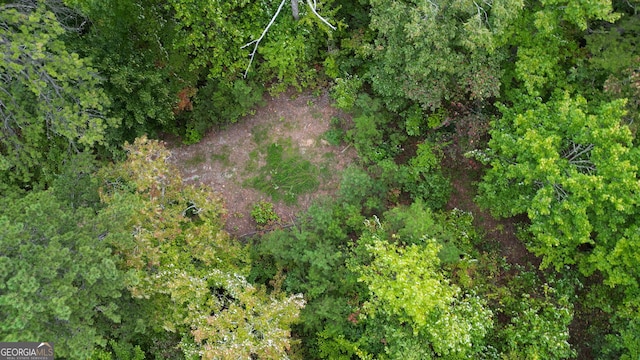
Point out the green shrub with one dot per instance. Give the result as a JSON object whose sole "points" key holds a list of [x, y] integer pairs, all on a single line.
{"points": [[432, 188], [345, 92], [264, 214], [334, 136], [312, 256], [539, 330], [193, 134], [120, 351], [288, 54], [220, 103], [358, 188], [375, 133], [454, 230], [423, 179]]}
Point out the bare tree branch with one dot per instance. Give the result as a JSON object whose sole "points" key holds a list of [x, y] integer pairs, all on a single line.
{"points": [[577, 151], [294, 10], [257, 41], [481, 12], [65, 15], [313, 8]]}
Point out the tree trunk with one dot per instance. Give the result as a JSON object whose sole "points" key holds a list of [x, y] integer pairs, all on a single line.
{"points": [[294, 9]]}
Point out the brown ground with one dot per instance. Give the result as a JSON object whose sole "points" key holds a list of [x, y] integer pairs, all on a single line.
{"points": [[220, 159], [464, 174]]}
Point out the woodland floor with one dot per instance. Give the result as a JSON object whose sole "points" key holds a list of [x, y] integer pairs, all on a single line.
{"points": [[223, 161], [464, 175]]}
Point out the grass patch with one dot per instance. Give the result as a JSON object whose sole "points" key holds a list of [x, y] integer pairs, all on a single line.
{"points": [[326, 166], [222, 156], [252, 165], [286, 174], [260, 133], [196, 159], [336, 134]]}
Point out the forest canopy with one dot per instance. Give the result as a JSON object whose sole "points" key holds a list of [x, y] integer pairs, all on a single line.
{"points": [[523, 114]]}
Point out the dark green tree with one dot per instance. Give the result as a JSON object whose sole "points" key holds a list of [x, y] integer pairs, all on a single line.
{"points": [[224, 37], [614, 57], [131, 44], [432, 53]]}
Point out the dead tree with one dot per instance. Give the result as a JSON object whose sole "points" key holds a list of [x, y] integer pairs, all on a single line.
{"points": [[294, 9]]}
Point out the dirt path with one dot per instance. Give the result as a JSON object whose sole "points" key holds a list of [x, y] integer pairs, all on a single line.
{"points": [[464, 175], [222, 160]]}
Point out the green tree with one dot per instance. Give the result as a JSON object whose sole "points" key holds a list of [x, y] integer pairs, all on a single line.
{"points": [[131, 43], [222, 37], [571, 169], [59, 279], [189, 272], [537, 314], [613, 59], [423, 314], [310, 259], [432, 53], [51, 103], [546, 37]]}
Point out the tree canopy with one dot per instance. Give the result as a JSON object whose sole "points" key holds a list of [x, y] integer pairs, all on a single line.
{"points": [[457, 109], [51, 101]]}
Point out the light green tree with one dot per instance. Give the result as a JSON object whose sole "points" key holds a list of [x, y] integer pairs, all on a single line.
{"points": [[547, 36], [424, 315], [189, 271], [570, 168], [50, 100]]}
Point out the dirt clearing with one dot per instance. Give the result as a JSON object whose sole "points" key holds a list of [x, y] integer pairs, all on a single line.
{"points": [[231, 159]]}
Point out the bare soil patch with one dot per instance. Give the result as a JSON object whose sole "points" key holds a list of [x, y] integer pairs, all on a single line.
{"points": [[464, 174], [226, 158]]}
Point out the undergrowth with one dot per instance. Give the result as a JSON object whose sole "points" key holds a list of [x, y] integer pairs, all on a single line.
{"points": [[285, 174]]}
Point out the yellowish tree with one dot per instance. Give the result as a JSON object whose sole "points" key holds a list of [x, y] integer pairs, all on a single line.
{"points": [[188, 269]]}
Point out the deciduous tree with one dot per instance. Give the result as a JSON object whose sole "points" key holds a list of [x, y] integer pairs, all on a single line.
{"points": [[189, 271], [424, 315], [223, 38], [571, 168], [51, 102], [546, 42], [435, 52]]}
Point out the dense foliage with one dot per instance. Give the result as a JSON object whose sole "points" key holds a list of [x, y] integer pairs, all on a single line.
{"points": [[51, 101], [107, 253]]}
